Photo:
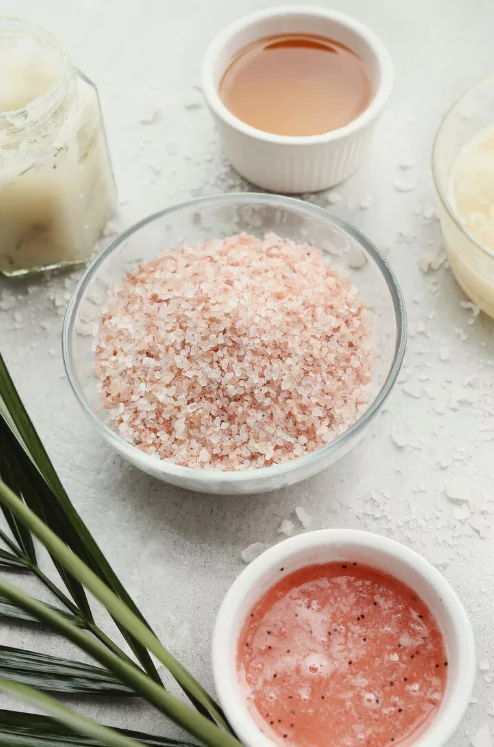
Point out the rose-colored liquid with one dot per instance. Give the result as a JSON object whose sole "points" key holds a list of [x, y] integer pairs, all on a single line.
{"points": [[296, 84], [343, 655]]}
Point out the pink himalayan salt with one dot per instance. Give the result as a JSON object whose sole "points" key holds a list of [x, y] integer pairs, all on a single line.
{"points": [[235, 354]]}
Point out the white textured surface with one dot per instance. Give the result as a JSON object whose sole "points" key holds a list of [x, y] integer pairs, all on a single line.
{"points": [[178, 552]]}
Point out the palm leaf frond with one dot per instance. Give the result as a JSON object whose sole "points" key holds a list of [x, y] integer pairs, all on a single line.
{"points": [[115, 606], [75, 721], [57, 505], [29, 730], [20, 534], [38, 496], [11, 562], [12, 613], [190, 720], [53, 674]]}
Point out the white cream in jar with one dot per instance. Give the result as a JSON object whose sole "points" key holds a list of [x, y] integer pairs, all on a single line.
{"points": [[56, 183]]}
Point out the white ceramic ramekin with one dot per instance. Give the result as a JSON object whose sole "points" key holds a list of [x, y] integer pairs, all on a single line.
{"points": [[296, 164], [330, 545]]}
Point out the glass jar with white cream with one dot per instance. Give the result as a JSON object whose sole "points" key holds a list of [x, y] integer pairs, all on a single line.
{"points": [[57, 190]]}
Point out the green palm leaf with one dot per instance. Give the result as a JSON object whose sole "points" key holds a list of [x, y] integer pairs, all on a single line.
{"points": [[68, 523], [71, 719], [46, 513], [37, 495], [11, 613], [10, 562], [55, 675], [21, 535], [115, 606], [190, 720], [30, 730]]}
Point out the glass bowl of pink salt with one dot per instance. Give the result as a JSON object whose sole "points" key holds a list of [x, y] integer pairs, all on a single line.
{"points": [[235, 344], [343, 633]]}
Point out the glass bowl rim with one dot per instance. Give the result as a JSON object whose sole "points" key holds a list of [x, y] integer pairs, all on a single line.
{"points": [[434, 167], [221, 476]]}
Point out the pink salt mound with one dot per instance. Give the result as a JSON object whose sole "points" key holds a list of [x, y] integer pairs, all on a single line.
{"points": [[235, 354]]}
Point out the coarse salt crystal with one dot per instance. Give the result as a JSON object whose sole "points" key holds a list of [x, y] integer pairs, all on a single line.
{"points": [[333, 198], [356, 259], [227, 327], [286, 527], [304, 518], [252, 552], [407, 181], [471, 307], [454, 494], [482, 738]]}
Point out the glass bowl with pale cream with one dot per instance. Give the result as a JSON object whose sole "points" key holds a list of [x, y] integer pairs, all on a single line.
{"points": [[236, 343], [463, 171]]}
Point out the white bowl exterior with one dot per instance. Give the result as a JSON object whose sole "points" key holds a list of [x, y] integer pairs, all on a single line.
{"points": [[292, 169], [295, 164], [345, 545]]}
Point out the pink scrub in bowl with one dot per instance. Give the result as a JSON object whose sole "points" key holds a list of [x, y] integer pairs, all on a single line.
{"points": [[346, 638]]}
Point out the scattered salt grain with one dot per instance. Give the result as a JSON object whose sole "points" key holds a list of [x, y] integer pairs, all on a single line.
{"points": [[238, 326], [304, 518], [407, 181], [333, 198], [428, 260], [412, 390], [399, 438], [151, 117], [454, 494], [111, 228], [425, 260], [444, 353], [252, 552], [461, 512], [356, 259], [471, 307], [484, 665], [85, 329], [286, 527], [193, 102], [482, 738]]}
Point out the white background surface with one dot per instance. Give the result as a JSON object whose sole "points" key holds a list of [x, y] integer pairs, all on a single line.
{"points": [[176, 552]]}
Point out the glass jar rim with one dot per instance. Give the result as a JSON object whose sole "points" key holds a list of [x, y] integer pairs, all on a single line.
{"points": [[46, 105]]}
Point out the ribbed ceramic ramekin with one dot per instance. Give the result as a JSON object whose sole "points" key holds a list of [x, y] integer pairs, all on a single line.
{"points": [[297, 164]]}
